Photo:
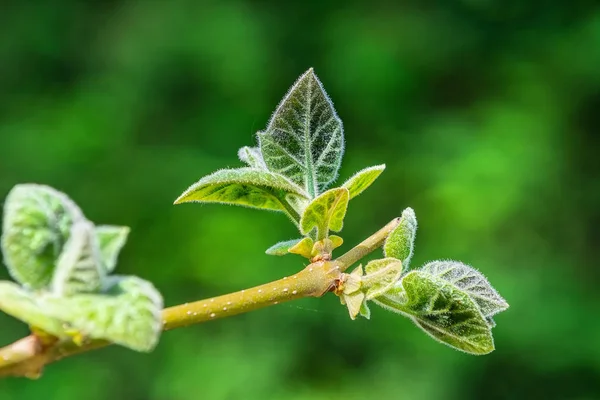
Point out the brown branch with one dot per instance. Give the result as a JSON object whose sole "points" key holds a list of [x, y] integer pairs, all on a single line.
{"points": [[28, 356]]}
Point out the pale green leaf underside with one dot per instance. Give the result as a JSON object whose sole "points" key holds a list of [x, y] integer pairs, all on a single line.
{"points": [[22, 305], [444, 312], [79, 268], [326, 212], [252, 156], [380, 276], [36, 225], [400, 242], [471, 282], [282, 248], [111, 240], [250, 187], [362, 180], [128, 313], [304, 139]]}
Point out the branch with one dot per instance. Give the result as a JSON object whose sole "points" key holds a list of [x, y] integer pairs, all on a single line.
{"points": [[27, 357]]}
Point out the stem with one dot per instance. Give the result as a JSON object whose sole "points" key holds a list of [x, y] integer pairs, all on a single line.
{"points": [[313, 281], [367, 246], [28, 356]]}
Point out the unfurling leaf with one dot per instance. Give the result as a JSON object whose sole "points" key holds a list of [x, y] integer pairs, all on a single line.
{"points": [[22, 305], [127, 313], [250, 187], [304, 139], [111, 240], [443, 311], [350, 292], [326, 213], [37, 223], [252, 156], [79, 268], [400, 242], [354, 302], [471, 282], [362, 180], [304, 248], [380, 276], [282, 248]]}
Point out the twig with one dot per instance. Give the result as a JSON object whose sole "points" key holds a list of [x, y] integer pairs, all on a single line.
{"points": [[28, 356]]}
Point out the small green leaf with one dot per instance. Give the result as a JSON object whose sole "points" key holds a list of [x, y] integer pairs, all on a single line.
{"points": [[326, 213], [282, 248], [380, 276], [128, 313], [400, 242], [252, 156], [304, 139], [111, 240], [362, 180], [304, 248], [365, 311], [470, 281], [79, 268], [443, 311], [24, 306], [248, 187], [37, 223]]}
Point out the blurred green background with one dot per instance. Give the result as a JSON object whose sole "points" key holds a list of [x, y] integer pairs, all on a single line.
{"points": [[486, 113]]}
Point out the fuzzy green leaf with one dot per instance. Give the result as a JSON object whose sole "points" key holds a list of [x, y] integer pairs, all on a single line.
{"points": [[111, 240], [252, 156], [24, 306], [250, 187], [326, 212], [443, 311], [362, 180], [79, 268], [380, 276], [282, 248], [470, 281], [128, 313], [400, 242], [37, 223], [304, 139]]}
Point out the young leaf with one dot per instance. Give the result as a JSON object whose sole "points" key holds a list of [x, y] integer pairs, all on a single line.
{"points": [[362, 180], [111, 240], [326, 213], [443, 311], [79, 268], [365, 311], [304, 248], [127, 313], [37, 223], [400, 242], [252, 156], [354, 302], [248, 187], [22, 305], [282, 248], [380, 276], [350, 292], [304, 139], [471, 282]]}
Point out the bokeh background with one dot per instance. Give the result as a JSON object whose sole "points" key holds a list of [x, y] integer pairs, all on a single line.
{"points": [[485, 112]]}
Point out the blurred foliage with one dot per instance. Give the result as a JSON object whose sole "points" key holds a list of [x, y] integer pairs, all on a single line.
{"points": [[485, 112]]}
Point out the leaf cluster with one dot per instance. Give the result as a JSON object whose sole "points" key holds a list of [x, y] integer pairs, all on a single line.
{"points": [[291, 170], [450, 301], [62, 264]]}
